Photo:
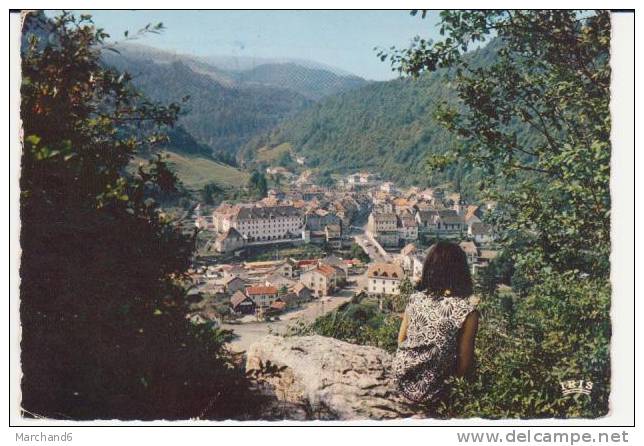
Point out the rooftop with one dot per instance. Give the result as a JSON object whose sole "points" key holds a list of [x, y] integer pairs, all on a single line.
{"points": [[237, 298], [479, 228], [488, 254], [389, 270], [264, 264], [469, 248], [257, 290], [384, 216], [326, 270], [268, 212]]}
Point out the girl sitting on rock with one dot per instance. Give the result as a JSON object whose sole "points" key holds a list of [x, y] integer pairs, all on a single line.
{"points": [[436, 338]]}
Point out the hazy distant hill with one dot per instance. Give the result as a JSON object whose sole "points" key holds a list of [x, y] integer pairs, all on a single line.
{"points": [[246, 63], [313, 83]]}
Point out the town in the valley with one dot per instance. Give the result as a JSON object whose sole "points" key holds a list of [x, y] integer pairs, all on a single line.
{"points": [[304, 249]]}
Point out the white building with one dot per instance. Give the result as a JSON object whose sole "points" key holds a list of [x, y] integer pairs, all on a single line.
{"points": [[383, 226], [388, 187], [382, 222], [407, 227], [261, 223], [321, 280], [418, 262], [480, 232], [362, 179], [279, 170], [384, 278], [263, 296]]}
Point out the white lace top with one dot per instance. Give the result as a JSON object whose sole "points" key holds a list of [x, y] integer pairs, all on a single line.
{"points": [[428, 354]]}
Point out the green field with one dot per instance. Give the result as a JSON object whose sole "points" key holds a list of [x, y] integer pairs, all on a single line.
{"points": [[195, 172], [269, 154]]}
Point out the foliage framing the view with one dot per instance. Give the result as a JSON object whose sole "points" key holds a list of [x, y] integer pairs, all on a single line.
{"points": [[103, 312], [552, 78]]}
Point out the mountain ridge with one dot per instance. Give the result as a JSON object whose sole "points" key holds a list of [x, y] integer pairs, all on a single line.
{"points": [[387, 126]]}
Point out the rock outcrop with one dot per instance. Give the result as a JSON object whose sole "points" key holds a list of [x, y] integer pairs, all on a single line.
{"points": [[325, 378]]}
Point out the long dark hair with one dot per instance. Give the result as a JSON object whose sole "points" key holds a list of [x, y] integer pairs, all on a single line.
{"points": [[446, 271]]}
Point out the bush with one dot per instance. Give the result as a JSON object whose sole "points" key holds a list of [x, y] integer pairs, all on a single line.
{"points": [[527, 346], [358, 323]]}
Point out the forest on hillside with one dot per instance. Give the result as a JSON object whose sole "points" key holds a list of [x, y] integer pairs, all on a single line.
{"points": [[387, 127]]}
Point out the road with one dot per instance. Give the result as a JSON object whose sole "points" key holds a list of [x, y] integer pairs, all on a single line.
{"points": [[252, 331], [368, 246]]}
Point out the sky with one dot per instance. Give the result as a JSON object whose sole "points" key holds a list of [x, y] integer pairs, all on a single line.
{"points": [[341, 39]]}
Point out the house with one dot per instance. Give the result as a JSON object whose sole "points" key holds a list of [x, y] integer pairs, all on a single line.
{"points": [[417, 264], [242, 304], [302, 292], [459, 207], [382, 222], [384, 278], [449, 222], [222, 217], [339, 264], [407, 226], [268, 202], [471, 252], [283, 267], [388, 239], [432, 195], [278, 305], [318, 219], [441, 222], [277, 194], [354, 266], [480, 232], [233, 284], [367, 178], [385, 207], [291, 300], [383, 226], [306, 264], [412, 260], [405, 259], [279, 281], [333, 235], [229, 241], [413, 191], [485, 257], [388, 187], [425, 221], [353, 179], [262, 295], [321, 280], [473, 214], [279, 170], [340, 271], [401, 204]]}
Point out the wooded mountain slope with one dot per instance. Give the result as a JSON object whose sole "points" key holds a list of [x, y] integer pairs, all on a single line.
{"points": [[223, 117], [386, 127]]}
